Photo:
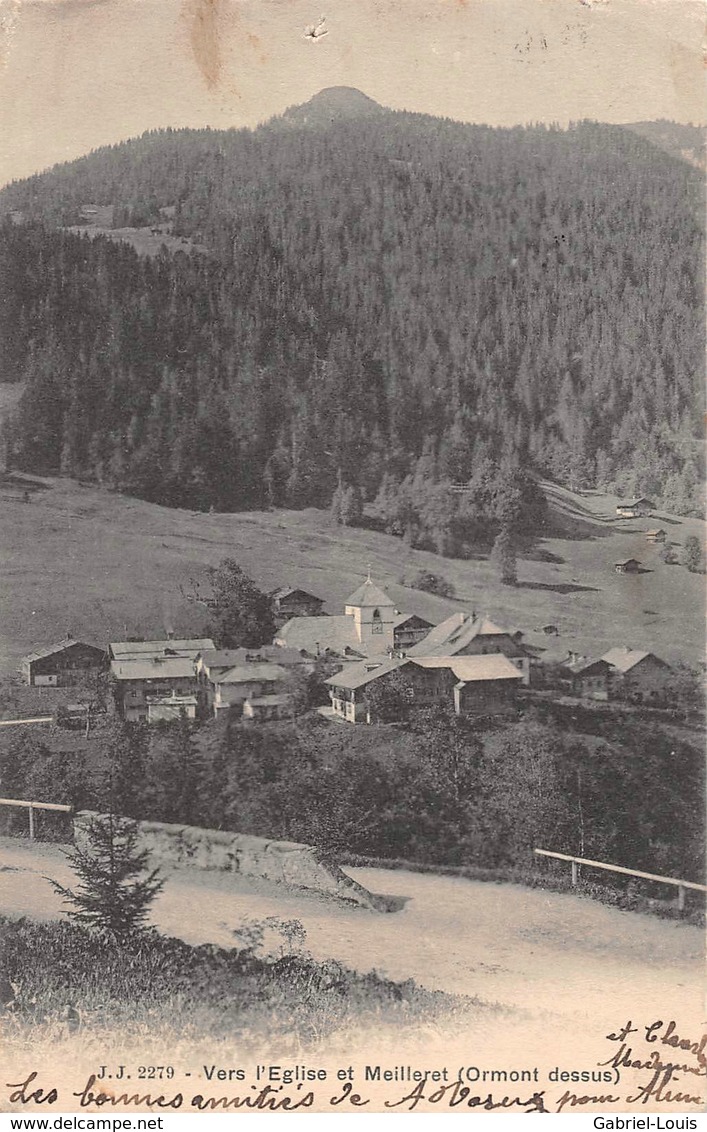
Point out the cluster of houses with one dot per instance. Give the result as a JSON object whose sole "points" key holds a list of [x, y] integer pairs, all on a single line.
{"points": [[467, 662]]}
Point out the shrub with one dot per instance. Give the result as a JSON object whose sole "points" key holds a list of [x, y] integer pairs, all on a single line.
{"points": [[432, 584]]}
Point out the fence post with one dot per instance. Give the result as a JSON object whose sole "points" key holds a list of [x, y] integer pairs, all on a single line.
{"points": [[575, 872], [681, 898], [31, 822]]}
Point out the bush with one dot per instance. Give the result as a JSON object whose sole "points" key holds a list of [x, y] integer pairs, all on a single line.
{"points": [[431, 584], [692, 555]]}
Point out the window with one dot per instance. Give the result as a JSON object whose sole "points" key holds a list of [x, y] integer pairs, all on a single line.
{"points": [[377, 622]]}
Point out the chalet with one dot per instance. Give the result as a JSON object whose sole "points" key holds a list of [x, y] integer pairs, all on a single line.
{"points": [[590, 679], [465, 634], [484, 684], [288, 602], [408, 630], [63, 665], [141, 681], [638, 676], [656, 536], [630, 566], [246, 683], [636, 509]]}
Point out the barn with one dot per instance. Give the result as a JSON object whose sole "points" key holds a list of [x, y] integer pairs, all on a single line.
{"points": [[63, 665]]}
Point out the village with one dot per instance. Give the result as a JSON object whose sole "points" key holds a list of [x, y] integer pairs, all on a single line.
{"points": [[370, 663]]}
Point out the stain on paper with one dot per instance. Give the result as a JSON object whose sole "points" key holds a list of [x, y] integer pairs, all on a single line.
{"points": [[204, 19]]}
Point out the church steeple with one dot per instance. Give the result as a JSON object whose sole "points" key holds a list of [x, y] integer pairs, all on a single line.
{"points": [[373, 612]]}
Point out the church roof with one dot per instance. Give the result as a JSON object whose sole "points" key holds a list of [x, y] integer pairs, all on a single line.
{"points": [[315, 635], [369, 595]]}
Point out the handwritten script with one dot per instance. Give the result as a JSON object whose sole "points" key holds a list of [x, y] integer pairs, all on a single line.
{"points": [[651, 1065]]}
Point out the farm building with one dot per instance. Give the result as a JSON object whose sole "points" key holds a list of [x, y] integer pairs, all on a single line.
{"points": [[656, 536], [288, 602], [591, 679], [64, 664], [630, 566], [636, 509], [481, 684], [638, 676]]}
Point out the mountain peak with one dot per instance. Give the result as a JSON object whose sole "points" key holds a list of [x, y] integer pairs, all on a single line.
{"points": [[334, 103]]}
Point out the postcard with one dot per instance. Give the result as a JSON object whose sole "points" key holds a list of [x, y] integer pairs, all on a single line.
{"points": [[352, 599]]}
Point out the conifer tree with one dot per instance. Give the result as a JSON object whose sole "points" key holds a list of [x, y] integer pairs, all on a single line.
{"points": [[504, 556], [116, 888]]}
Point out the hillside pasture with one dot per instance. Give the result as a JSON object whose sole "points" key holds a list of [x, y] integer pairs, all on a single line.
{"points": [[104, 566]]}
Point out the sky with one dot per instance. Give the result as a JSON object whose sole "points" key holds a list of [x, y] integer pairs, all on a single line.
{"points": [[77, 74]]}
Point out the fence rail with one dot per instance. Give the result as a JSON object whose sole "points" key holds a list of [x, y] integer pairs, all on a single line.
{"points": [[32, 806], [681, 885]]}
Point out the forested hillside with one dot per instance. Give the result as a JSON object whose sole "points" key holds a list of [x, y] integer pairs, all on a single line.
{"points": [[387, 299]]}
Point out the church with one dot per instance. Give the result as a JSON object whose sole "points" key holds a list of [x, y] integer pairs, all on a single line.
{"points": [[369, 626]]}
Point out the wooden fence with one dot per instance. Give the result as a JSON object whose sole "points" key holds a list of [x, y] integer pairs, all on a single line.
{"points": [[31, 807], [681, 885]]}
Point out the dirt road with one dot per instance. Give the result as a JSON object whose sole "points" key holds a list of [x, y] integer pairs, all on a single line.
{"points": [[550, 954]]}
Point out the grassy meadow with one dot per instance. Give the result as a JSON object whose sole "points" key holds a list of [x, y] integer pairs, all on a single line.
{"points": [[104, 566]]}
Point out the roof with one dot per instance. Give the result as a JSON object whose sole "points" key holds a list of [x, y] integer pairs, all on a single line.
{"points": [[584, 666], [244, 673], [474, 669], [624, 658], [128, 650], [454, 634], [60, 646], [656, 531], [467, 669], [367, 595], [628, 562], [357, 675], [152, 668], [635, 503], [315, 635], [290, 591], [229, 658], [403, 618]]}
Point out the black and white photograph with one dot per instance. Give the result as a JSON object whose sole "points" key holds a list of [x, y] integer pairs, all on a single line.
{"points": [[352, 558]]}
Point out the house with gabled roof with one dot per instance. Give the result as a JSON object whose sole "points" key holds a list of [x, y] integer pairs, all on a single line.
{"points": [[252, 683], [481, 684], [140, 681], [465, 634], [638, 675], [288, 601], [591, 679], [635, 509]]}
